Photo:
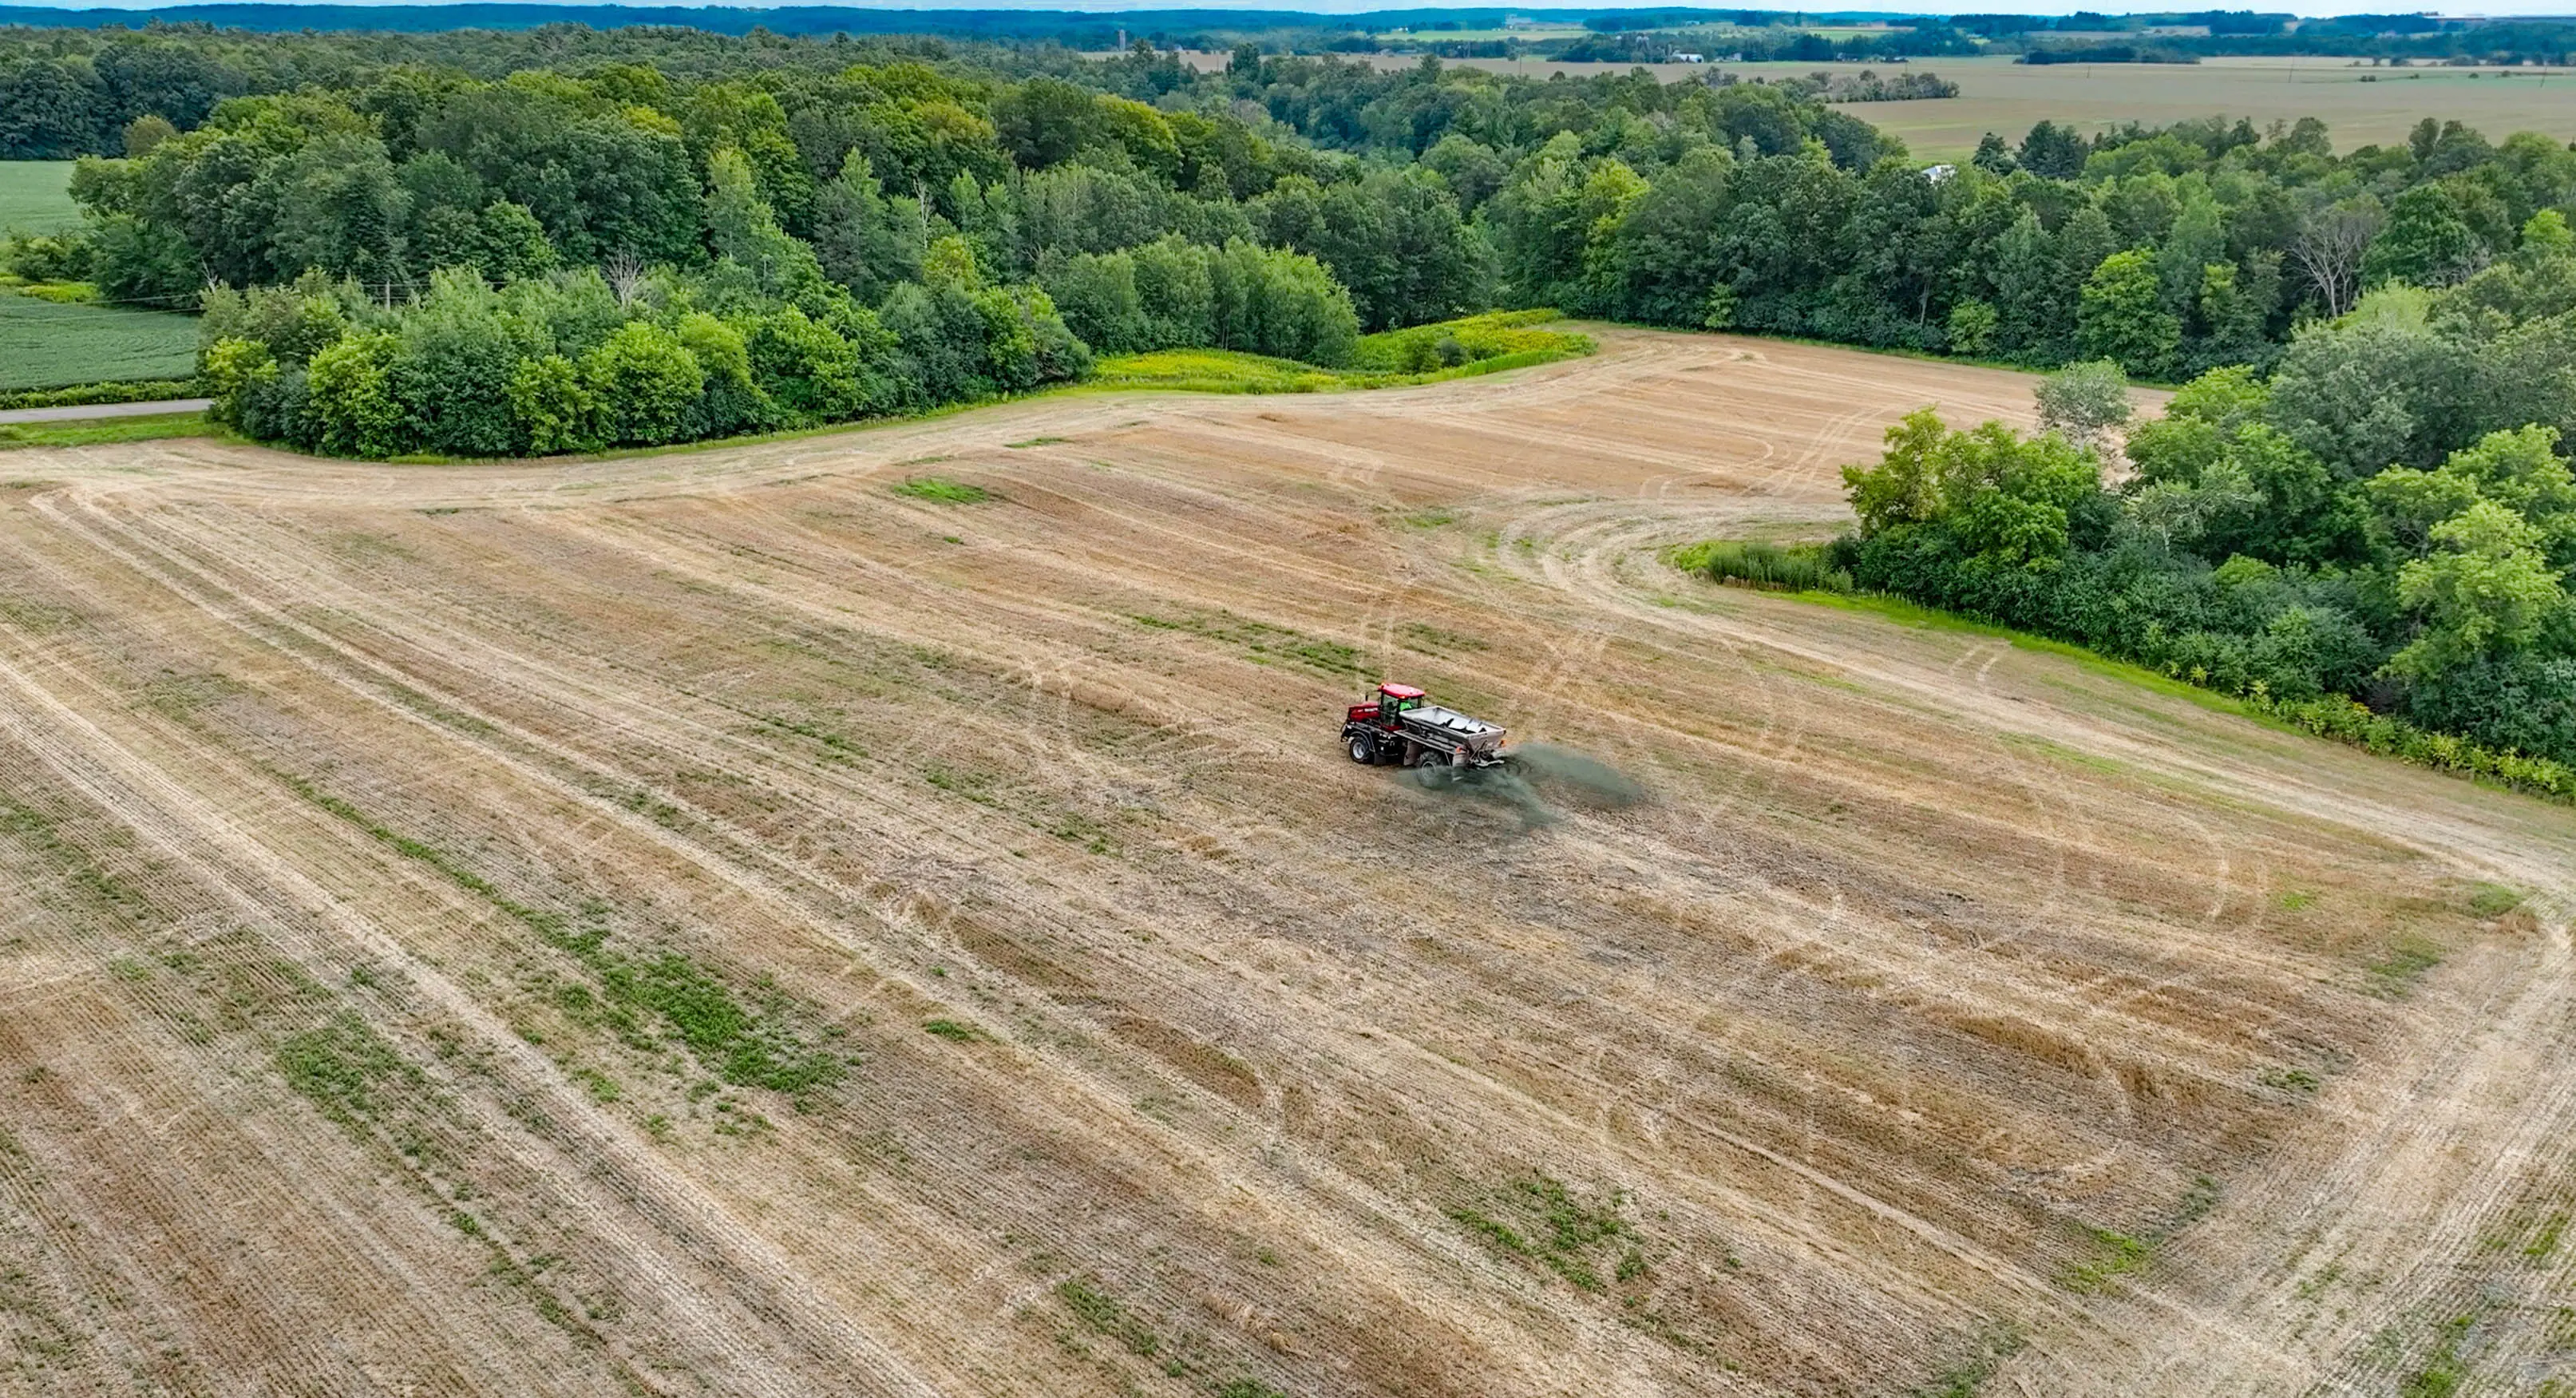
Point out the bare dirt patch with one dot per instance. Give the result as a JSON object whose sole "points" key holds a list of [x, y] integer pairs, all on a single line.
{"points": [[714, 922]]}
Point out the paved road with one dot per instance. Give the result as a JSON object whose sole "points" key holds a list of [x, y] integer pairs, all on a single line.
{"points": [[170, 405]]}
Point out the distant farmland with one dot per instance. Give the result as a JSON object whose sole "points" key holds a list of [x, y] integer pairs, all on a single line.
{"points": [[35, 196], [2362, 106], [48, 345], [44, 345]]}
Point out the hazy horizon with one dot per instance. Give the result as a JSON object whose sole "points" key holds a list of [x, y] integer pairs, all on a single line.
{"points": [[2538, 9]]}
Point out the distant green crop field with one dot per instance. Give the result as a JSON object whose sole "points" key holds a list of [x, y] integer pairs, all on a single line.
{"points": [[35, 196], [43, 345]]}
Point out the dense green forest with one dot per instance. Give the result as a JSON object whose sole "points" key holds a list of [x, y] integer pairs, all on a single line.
{"points": [[1426, 192]]}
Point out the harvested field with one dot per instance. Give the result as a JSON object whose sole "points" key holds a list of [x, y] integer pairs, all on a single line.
{"points": [[2360, 105], [716, 923]]}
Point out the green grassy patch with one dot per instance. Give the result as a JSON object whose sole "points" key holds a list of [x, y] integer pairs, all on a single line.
{"points": [[1966, 1377], [45, 345], [1432, 640], [2393, 976], [1467, 343], [345, 1069], [1483, 344], [36, 197], [955, 1032], [2060, 752], [1541, 1220], [1104, 1314], [1264, 643], [118, 391], [2494, 900], [2444, 1370], [2298, 1080], [943, 490], [2111, 1255], [99, 431], [1212, 371]]}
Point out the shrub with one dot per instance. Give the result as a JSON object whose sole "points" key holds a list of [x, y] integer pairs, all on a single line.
{"points": [[350, 390], [232, 367], [1773, 567], [549, 409], [641, 382]]}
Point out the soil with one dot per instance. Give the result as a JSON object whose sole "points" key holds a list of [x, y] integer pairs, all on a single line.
{"points": [[711, 923]]}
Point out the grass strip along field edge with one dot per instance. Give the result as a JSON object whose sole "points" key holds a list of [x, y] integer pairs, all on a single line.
{"points": [[1796, 571], [102, 431]]}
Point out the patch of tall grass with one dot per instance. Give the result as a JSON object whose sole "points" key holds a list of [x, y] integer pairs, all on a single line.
{"points": [[1450, 349], [1770, 567], [1470, 340]]}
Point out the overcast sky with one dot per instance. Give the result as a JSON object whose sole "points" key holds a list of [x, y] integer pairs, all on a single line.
{"points": [[2012, 7]]}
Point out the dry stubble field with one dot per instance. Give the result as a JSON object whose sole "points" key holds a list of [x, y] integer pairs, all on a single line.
{"points": [[711, 923]]}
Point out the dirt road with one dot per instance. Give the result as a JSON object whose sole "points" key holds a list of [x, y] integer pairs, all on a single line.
{"points": [[717, 923]]}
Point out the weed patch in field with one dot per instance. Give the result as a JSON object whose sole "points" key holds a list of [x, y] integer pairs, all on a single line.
{"points": [[2298, 1080], [1264, 643], [748, 1045], [955, 1032], [1433, 641], [344, 1068], [1104, 1315], [943, 490], [2394, 975], [2112, 1254], [1546, 1223], [2444, 1370], [2494, 900], [1966, 1378]]}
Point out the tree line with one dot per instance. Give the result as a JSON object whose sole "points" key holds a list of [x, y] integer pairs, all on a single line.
{"points": [[1277, 204], [2388, 516]]}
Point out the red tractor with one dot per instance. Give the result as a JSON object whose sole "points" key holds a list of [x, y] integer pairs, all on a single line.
{"points": [[1402, 729]]}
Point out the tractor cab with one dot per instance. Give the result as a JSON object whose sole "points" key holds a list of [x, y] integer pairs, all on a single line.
{"points": [[1392, 700]]}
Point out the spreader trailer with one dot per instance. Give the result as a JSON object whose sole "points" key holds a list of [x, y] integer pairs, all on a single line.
{"points": [[1401, 728]]}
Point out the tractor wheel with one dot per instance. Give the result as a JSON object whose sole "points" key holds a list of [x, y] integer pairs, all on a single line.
{"points": [[1363, 750]]}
